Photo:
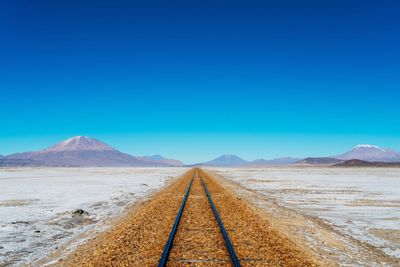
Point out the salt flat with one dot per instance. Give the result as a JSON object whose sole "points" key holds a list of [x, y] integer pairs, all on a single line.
{"points": [[37, 204], [361, 202]]}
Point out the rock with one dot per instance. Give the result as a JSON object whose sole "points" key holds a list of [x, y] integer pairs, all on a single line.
{"points": [[80, 212]]}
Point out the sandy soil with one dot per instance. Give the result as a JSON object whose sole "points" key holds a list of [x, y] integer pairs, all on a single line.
{"points": [[138, 238]]}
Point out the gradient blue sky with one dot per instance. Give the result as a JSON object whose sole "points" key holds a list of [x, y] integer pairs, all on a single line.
{"points": [[195, 79]]}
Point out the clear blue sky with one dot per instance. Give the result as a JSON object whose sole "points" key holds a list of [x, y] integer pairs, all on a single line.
{"points": [[195, 79]]}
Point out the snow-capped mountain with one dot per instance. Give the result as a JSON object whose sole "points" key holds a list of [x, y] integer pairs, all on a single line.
{"points": [[85, 151], [79, 143], [370, 153]]}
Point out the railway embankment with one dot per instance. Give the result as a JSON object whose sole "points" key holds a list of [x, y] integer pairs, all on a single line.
{"points": [[139, 238]]}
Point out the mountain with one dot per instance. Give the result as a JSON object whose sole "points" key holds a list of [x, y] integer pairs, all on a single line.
{"points": [[370, 153], [363, 163], [226, 161], [363, 153], [80, 143], [161, 159], [85, 152], [319, 160], [277, 161], [235, 161]]}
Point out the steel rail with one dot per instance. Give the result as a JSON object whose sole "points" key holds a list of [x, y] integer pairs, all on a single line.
{"points": [[234, 258], [168, 246]]}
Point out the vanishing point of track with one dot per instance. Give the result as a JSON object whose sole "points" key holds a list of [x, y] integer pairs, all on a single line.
{"points": [[165, 257]]}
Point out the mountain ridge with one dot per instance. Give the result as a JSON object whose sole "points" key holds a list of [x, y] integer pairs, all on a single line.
{"points": [[369, 152], [229, 160], [87, 152], [83, 151], [364, 152]]}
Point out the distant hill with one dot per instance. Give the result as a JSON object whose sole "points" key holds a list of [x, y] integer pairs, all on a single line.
{"points": [[277, 161], [226, 161], [319, 160], [86, 152], [235, 161], [363, 163], [89, 152], [161, 159], [370, 153]]}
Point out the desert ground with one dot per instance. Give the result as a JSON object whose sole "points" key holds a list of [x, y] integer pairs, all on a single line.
{"points": [[339, 216], [37, 205], [347, 216]]}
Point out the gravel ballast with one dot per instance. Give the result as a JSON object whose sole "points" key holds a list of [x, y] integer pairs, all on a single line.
{"points": [[138, 239]]}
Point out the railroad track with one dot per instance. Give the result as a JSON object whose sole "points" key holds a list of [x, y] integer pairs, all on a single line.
{"points": [[200, 237], [197, 238]]}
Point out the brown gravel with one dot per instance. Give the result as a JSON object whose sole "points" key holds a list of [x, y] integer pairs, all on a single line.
{"points": [[256, 241], [198, 240], [139, 238]]}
